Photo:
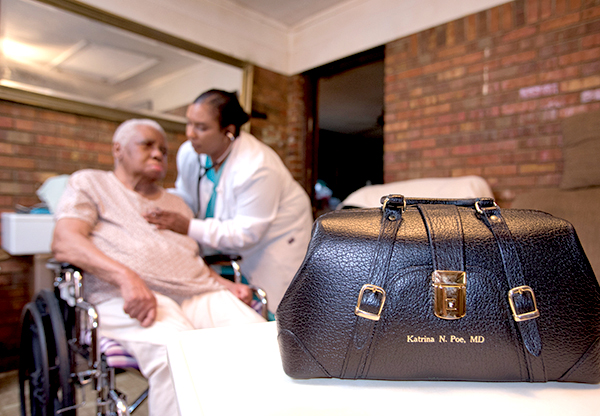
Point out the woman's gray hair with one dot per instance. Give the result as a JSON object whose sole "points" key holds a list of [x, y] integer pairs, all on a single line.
{"points": [[128, 129]]}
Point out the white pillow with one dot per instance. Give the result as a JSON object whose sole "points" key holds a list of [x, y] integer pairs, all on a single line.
{"points": [[459, 187]]}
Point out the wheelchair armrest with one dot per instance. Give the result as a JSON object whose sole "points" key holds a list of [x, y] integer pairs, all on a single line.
{"points": [[261, 295], [226, 260], [221, 258], [58, 267]]}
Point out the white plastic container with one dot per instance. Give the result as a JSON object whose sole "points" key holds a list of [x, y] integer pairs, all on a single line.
{"points": [[27, 234]]}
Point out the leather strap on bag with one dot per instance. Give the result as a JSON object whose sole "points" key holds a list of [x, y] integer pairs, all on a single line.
{"points": [[444, 229], [446, 241], [521, 296], [371, 300]]}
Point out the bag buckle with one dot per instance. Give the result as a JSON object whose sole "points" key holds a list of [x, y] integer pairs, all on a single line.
{"points": [[523, 291], [449, 294], [379, 293]]}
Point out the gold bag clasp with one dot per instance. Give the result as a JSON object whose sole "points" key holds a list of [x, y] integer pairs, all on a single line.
{"points": [[449, 294]]}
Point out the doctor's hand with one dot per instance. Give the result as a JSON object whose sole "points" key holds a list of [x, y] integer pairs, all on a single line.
{"points": [[168, 220]]}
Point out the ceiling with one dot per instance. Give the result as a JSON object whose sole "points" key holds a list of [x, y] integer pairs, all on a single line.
{"points": [[289, 12]]}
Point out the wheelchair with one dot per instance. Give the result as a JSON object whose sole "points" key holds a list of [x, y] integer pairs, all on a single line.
{"points": [[62, 353]]}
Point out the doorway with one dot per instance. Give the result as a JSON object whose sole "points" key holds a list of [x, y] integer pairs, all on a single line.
{"points": [[348, 133]]}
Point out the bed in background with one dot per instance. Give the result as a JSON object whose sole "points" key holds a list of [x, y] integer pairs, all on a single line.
{"points": [[458, 187]]}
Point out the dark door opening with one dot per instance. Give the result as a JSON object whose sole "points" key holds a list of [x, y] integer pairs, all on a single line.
{"points": [[348, 139]]}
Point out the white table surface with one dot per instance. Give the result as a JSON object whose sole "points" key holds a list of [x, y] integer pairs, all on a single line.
{"points": [[237, 371]]}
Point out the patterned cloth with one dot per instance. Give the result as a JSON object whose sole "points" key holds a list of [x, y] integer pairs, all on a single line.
{"points": [[167, 261]]}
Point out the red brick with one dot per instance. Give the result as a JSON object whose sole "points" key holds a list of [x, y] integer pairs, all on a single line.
{"points": [[6, 148], [561, 74], [546, 8], [560, 22], [521, 33], [450, 34], [467, 59], [532, 11], [560, 6], [444, 108], [467, 149], [12, 188], [457, 50], [494, 19], [590, 14], [515, 83], [437, 131], [471, 27], [580, 84], [537, 168], [6, 122], [436, 153], [519, 13], [395, 147], [519, 58], [451, 74], [501, 170], [506, 16], [467, 171], [56, 141], [410, 73], [571, 111], [15, 162], [483, 160], [582, 56], [590, 41], [420, 144]]}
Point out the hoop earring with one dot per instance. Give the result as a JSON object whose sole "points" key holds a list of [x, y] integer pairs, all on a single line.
{"points": [[230, 135]]}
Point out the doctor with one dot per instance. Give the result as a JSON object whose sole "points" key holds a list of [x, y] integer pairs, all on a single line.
{"points": [[245, 200]]}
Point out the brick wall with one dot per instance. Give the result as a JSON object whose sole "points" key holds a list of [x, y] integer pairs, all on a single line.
{"points": [[36, 144], [279, 118], [485, 94]]}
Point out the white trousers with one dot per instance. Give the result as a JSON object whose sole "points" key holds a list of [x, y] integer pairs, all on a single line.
{"points": [[148, 345]]}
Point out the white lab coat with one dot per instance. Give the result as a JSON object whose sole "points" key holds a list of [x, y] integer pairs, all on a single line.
{"points": [[261, 212]]}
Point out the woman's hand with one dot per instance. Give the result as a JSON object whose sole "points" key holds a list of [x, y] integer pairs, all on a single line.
{"points": [[242, 292], [140, 302], [168, 220]]}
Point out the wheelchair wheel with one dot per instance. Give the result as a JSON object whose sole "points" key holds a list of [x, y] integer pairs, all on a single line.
{"points": [[45, 365]]}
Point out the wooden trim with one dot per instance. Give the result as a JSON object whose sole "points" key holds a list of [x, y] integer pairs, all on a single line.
{"points": [[76, 106]]}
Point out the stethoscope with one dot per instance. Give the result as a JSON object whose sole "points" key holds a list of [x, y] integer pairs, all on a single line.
{"points": [[204, 169]]}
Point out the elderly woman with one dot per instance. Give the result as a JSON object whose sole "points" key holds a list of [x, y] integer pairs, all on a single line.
{"points": [[244, 198], [146, 283]]}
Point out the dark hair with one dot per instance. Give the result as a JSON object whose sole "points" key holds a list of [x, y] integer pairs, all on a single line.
{"points": [[228, 108]]}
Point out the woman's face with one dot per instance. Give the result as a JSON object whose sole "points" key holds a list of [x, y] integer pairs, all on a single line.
{"points": [[204, 131], [144, 155]]}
